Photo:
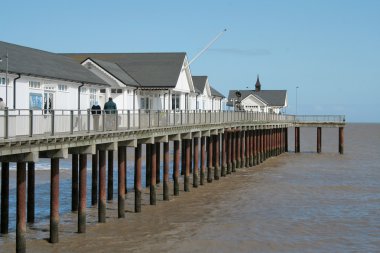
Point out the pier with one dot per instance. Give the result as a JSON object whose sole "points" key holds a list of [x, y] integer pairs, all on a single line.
{"points": [[209, 144]]}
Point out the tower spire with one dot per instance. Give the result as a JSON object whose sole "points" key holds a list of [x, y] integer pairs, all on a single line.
{"points": [[258, 84]]}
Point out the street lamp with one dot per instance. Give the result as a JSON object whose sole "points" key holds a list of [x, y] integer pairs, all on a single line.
{"points": [[6, 79], [297, 100]]}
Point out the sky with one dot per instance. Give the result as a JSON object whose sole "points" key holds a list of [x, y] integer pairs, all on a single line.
{"points": [[329, 49]]}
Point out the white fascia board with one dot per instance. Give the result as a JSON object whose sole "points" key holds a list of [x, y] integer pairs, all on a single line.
{"points": [[119, 84], [207, 88], [255, 99], [186, 70]]}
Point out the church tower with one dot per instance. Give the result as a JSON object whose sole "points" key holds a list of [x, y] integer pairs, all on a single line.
{"points": [[258, 84]]}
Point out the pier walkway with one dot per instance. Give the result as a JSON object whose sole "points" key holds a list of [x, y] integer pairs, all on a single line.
{"points": [[208, 144]]}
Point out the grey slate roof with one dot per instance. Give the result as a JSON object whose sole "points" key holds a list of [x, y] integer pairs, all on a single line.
{"points": [[216, 93], [33, 62], [271, 97], [199, 83], [116, 71], [150, 70]]}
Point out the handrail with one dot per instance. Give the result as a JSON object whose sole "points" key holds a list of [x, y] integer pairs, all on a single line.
{"points": [[16, 123]]}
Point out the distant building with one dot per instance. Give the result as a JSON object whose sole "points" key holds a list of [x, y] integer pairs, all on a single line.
{"points": [[41, 80], [207, 97], [258, 100]]}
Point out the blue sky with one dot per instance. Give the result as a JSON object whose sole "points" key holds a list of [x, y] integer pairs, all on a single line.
{"points": [[330, 49]]}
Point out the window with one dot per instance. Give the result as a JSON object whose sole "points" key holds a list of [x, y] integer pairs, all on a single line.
{"points": [[145, 103], [102, 91], [34, 85], [116, 91], [175, 102], [83, 90], [2, 81], [49, 87], [62, 87], [93, 98]]}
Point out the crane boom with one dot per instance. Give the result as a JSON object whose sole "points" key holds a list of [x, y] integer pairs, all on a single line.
{"points": [[205, 48]]}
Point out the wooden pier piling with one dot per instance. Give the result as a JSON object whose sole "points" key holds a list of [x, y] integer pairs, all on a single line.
{"points": [[203, 161], [54, 199], [187, 165], [319, 139], [121, 157], [297, 148], [94, 179], [224, 155], [82, 193], [74, 183], [102, 187], [233, 150], [166, 171], [4, 197], [138, 187], [341, 140], [176, 168], [229, 152], [21, 208], [152, 185], [196, 163], [217, 156], [31, 193], [210, 159], [238, 149], [110, 176], [158, 163]]}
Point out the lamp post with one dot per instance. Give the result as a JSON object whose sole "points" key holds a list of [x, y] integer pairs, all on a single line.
{"points": [[297, 100]]}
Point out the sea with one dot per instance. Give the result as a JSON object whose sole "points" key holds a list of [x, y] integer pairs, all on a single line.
{"points": [[294, 202]]}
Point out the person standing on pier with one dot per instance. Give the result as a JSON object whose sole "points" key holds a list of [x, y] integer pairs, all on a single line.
{"points": [[2, 104], [96, 111], [110, 108]]}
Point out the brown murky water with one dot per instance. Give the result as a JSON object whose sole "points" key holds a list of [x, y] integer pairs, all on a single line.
{"points": [[304, 202]]}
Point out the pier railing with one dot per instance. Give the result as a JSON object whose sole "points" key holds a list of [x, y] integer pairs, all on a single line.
{"points": [[32, 123], [320, 118]]}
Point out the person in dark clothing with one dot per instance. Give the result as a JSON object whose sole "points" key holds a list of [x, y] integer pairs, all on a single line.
{"points": [[110, 108], [96, 111]]}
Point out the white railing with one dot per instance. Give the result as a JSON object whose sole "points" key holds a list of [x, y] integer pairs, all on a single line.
{"points": [[320, 118], [29, 123]]}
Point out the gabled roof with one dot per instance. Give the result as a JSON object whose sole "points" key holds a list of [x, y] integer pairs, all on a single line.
{"points": [[216, 93], [38, 63], [151, 70], [116, 71], [270, 97], [199, 83]]}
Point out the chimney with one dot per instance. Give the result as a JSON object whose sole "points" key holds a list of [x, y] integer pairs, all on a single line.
{"points": [[258, 84]]}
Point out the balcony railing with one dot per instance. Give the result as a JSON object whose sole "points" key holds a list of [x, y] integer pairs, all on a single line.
{"points": [[33, 123]]}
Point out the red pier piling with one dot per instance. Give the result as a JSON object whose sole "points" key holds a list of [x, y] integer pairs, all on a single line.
{"points": [[82, 193], [110, 176], [21, 208], [94, 179], [4, 197], [138, 187], [31, 192], [203, 160], [152, 186], [102, 187], [166, 171], [341, 140], [176, 168], [319, 139], [54, 199], [196, 163], [74, 183], [121, 157]]}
